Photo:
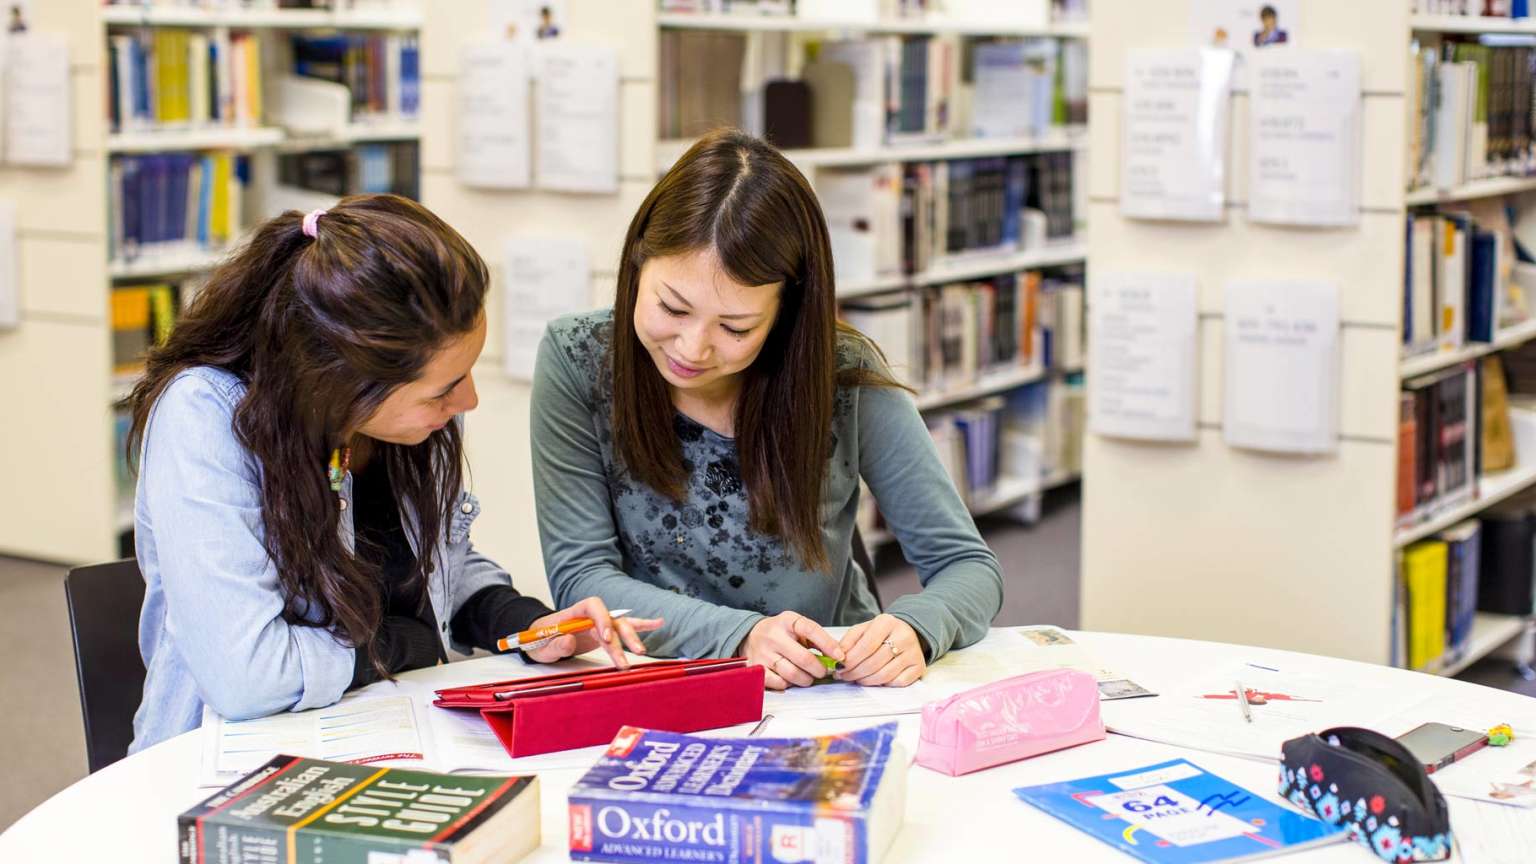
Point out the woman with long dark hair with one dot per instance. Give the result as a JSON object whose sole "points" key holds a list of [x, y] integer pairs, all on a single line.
{"points": [[300, 516], [697, 449]]}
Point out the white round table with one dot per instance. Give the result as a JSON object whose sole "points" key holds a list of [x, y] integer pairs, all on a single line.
{"points": [[127, 812]]}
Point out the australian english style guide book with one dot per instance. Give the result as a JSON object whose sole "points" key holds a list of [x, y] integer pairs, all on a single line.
{"points": [[662, 796]]}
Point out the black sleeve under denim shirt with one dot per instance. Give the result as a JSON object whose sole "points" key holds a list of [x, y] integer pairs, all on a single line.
{"points": [[407, 637]]}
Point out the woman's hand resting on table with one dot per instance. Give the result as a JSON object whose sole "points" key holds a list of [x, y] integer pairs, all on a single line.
{"points": [[882, 652], [781, 645], [607, 635]]}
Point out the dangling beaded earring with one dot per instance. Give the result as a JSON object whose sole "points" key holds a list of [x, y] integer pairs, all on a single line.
{"points": [[341, 462]]}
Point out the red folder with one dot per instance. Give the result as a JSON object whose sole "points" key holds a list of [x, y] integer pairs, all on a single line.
{"points": [[580, 709]]}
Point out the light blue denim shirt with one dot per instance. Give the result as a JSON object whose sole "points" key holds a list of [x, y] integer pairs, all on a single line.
{"points": [[212, 629]]}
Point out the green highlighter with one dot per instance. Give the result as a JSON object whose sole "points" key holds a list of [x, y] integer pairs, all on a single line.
{"points": [[832, 666]]}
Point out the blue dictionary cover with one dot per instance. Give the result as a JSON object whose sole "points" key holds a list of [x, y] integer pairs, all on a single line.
{"points": [[661, 796], [1176, 813]]}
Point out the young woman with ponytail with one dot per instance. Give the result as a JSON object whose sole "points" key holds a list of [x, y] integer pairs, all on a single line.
{"points": [[301, 516]]}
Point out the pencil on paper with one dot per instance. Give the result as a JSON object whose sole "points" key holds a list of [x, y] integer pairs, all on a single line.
{"points": [[538, 637]]}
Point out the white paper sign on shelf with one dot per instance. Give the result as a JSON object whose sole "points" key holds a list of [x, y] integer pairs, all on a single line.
{"points": [[38, 107], [546, 277], [1142, 353], [494, 146], [10, 268], [578, 111], [1281, 369], [1174, 144], [1304, 138]]}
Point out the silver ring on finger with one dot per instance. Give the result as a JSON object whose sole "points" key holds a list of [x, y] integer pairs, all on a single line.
{"points": [[775, 665], [891, 645]]}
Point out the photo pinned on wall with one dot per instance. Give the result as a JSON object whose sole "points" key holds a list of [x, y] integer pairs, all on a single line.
{"points": [[18, 15], [1244, 26], [528, 21]]}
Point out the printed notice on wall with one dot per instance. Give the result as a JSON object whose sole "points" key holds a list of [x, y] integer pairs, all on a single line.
{"points": [[1281, 379], [1304, 138], [494, 146], [38, 107], [1250, 28], [1174, 149], [546, 277], [1143, 356], [578, 111]]}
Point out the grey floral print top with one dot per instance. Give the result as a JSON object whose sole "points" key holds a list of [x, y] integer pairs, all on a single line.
{"points": [[696, 563]]}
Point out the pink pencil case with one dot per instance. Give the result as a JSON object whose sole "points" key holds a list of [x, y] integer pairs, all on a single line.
{"points": [[1009, 720]]}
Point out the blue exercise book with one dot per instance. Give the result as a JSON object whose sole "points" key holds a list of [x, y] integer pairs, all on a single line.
{"points": [[1176, 813], [662, 796]]}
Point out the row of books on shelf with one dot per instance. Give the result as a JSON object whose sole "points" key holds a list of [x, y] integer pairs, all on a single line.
{"points": [[946, 338], [1028, 435], [907, 218], [1477, 8], [168, 78], [142, 316], [1462, 283], [1441, 447], [392, 167], [1007, 12], [175, 201], [870, 92], [1472, 112], [382, 72], [1481, 565]]}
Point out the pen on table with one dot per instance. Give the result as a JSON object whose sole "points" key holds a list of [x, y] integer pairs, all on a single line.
{"points": [[761, 725], [1242, 702], [538, 637]]}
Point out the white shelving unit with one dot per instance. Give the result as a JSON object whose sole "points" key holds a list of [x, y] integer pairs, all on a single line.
{"points": [[988, 385], [796, 24], [1258, 538], [1489, 633], [262, 141], [1420, 364], [975, 266], [256, 19], [1056, 140], [1470, 24], [1010, 492]]}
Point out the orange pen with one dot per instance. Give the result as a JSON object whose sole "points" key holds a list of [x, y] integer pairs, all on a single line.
{"points": [[538, 637]]}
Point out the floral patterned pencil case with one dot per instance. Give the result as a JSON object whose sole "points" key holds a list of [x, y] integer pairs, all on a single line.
{"points": [[1372, 786], [1009, 720]]}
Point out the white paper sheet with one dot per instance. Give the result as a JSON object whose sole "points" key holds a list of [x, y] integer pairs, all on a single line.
{"points": [[1304, 138], [10, 267], [359, 728], [546, 277], [1490, 834], [1143, 356], [38, 104], [493, 134], [1202, 712], [578, 111], [1281, 372], [1174, 135]]}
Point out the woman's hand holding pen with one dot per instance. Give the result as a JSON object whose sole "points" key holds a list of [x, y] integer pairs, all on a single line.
{"points": [[883, 651], [610, 634], [781, 645]]}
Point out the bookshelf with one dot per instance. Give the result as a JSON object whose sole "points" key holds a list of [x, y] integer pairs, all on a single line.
{"points": [[1007, 492], [1213, 542], [933, 26], [67, 453]]}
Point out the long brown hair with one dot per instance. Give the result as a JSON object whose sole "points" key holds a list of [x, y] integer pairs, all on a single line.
{"points": [[739, 197], [320, 331]]}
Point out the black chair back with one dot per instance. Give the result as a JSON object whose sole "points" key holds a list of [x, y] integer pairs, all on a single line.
{"points": [[104, 601]]}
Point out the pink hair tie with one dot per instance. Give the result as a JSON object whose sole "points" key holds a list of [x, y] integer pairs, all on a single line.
{"points": [[312, 223]]}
